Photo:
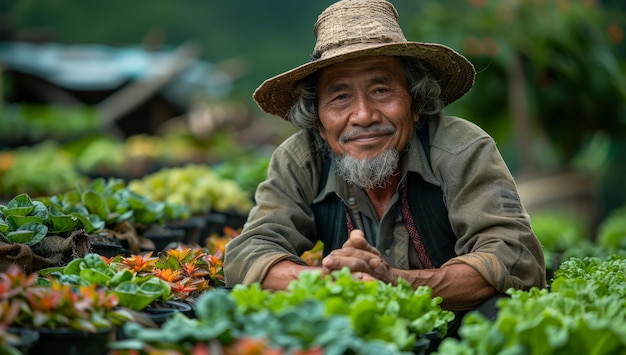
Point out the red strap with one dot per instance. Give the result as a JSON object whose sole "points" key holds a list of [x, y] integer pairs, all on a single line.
{"points": [[349, 221], [410, 226], [413, 234]]}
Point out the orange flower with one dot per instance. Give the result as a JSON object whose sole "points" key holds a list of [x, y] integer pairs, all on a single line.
{"points": [[192, 270], [179, 253], [168, 275], [107, 260], [217, 244], [14, 281], [215, 263], [140, 263], [182, 288]]}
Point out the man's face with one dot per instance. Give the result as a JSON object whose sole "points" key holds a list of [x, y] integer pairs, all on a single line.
{"points": [[365, 107]]}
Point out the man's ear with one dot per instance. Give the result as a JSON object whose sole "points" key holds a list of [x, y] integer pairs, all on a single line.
{"points": [[416, 117], [321, 130]]}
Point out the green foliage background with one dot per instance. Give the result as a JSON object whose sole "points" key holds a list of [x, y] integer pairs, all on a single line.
{"points": [[270, 37]]}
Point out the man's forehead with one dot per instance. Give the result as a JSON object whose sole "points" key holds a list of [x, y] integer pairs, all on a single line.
{"points": [[375, 69]]}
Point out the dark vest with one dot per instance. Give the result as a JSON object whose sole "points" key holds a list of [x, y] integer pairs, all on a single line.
{"points": [[426, 204]]}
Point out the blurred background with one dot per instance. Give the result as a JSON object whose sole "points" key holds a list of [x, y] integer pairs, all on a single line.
{"points": [[126, 88]]}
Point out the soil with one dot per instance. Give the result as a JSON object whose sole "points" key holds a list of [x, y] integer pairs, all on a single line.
{"points": [[98, 238]]}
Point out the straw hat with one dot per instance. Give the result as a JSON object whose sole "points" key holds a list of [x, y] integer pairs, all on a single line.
{"points": [[356, 28]]}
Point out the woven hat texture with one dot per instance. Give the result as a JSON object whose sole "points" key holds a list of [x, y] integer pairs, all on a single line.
{"points": [[357, 28]]}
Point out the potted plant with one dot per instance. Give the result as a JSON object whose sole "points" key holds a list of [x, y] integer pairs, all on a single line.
{"points": [[51, 235], [123, 215], [117, 275], [220, 201], [221, 326], [68, 319], [393, 314], [582, 313]]}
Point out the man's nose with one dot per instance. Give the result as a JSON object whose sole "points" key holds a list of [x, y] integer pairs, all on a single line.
{"points": [[365, 111]]}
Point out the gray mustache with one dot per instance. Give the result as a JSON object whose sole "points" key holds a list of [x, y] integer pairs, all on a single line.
{"points": [[367, 130]]}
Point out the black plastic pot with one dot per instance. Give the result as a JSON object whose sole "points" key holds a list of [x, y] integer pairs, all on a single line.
{"points": [[71, 342], [165, 238], [421, 346], [27, 338], [191, 227], [159, 313], [108, 250]]}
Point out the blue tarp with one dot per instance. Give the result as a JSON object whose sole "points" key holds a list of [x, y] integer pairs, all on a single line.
{"points": [[100, 67]]}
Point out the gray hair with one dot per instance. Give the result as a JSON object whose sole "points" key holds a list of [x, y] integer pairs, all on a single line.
{"points": [[423, 88]]}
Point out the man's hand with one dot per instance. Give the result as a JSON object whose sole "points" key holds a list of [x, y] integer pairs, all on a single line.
{"points": [[363, 260]]}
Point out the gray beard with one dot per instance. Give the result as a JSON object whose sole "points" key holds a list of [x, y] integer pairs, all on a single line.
{"points": [[368, 173]]}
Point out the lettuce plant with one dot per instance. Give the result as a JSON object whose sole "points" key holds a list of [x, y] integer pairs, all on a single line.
{"points": [[612, 230], [27, 221], [584, 312], [221, 327], [393, 314]]}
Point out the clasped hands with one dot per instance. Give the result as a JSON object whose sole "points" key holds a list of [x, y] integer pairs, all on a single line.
{"points": [[364, 261]]}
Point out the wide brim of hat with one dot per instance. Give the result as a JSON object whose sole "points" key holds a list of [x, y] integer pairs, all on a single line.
{"points": [[453, 71]]}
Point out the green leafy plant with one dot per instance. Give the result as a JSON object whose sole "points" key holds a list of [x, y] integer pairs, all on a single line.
{"points": [[558, 232], [112, 201], [197, 186], [34, 123], [27, 221], [612, 230], [109, 204], [247, 170], [23, 220], [394, 314], [40, 170], [584, 312], [220, 326]]}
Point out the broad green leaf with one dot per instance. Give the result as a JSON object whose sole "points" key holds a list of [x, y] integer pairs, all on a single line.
{"points": [[132, 296], [21, 200], [21, 236], [91, 222], [4, 226], [18, 211], [94, 261], [29, 234], [15, 221], [97, 185], [73, 267], [124, 216], [40, 210], [62, 223], [96, 204], [120, 277], [94, 276]]}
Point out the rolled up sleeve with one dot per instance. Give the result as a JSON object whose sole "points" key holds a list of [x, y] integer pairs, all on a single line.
{"points": [[493, 229], [281, 225]]}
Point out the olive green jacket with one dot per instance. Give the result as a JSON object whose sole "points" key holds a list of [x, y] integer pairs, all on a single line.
{"points": [[492, 227]]}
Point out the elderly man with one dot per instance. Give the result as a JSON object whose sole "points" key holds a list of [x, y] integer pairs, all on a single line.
{"points": [[390, 185]]}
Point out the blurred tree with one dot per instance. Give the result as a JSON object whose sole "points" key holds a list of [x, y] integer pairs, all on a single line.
{"points": [[547, 70]]}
